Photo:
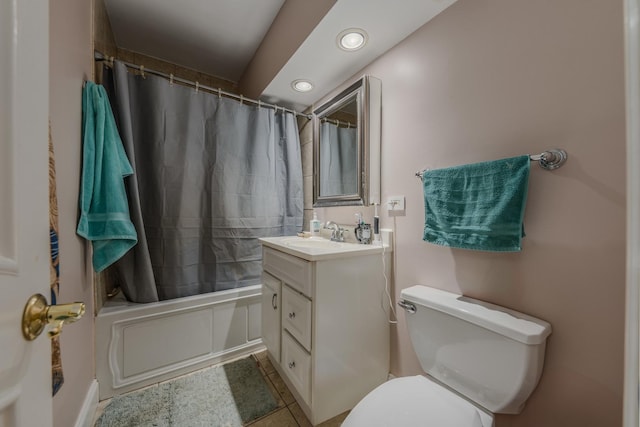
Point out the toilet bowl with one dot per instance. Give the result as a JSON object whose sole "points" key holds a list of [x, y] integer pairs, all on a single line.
{"points": [[416, 401], [480, 359]]}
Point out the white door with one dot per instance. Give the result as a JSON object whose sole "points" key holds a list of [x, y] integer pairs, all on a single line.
{"points": [[25, 366], [632, 345]]}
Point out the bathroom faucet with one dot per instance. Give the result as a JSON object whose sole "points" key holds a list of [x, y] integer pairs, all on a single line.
{"points": [[337, 232]]}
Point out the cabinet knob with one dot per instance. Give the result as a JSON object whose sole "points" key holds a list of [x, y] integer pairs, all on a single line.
{"points": [[274, 301], [292, 365], [292, 315]]}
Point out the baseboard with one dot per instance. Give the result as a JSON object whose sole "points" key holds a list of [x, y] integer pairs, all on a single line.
{"points": [[89, 406]]}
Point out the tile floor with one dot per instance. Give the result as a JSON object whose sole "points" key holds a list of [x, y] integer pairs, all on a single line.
{"points": [[287, 414]]}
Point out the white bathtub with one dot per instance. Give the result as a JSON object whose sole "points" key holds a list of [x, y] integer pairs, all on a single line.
{"points": [[142, 344]]}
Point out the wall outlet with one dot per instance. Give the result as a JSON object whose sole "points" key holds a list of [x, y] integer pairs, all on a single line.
{"points": [[395, 203]]}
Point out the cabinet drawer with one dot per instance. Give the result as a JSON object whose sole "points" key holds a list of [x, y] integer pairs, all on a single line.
{"points": [[296, 316], [296, 364], [295, 272]]}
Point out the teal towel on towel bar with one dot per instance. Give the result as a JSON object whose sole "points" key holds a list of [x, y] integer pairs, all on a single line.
{"points": [[478, 206], [104, 211]]}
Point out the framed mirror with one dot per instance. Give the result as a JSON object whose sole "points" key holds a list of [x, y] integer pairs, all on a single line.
{"points": [[346, 143]]}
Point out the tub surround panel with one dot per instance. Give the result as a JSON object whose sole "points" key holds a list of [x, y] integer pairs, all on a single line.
{"points": [[231, 329], [142, 344], [190, 332], [254, 330]]}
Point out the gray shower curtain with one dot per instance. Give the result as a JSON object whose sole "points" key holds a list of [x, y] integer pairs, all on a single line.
{"points": [[211, 176], [338, 160]]}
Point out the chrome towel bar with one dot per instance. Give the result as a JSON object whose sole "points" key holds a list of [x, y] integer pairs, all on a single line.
{"points": [[548, 160]]}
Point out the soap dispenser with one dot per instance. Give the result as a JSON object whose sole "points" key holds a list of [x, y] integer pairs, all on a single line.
{"points": [[314, 225]]}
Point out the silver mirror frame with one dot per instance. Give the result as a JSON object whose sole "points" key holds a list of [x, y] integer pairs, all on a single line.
{"points": [[368, 94]]}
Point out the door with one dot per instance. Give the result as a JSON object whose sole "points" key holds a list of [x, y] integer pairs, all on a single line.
{"points": [[632, 344], [25, 366]]}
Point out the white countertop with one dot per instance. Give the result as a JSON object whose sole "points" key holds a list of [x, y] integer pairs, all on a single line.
{"points": [[318, 248]]}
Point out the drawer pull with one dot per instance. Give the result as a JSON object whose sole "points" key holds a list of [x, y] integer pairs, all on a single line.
{"points": [[292, 365], [274, 301], [292, 315]]}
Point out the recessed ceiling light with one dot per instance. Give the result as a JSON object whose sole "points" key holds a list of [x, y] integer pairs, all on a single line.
{"points": [[302, 85], [352, 39]]}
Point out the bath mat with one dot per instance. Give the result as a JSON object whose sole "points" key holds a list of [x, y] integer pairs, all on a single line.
{"points": [[229, 395]]}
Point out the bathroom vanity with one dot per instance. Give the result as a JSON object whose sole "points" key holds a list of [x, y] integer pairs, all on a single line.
{"points": [[325, 320]]}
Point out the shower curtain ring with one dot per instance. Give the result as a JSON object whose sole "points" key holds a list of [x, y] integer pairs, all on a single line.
{"points": [[142, 72], [197, 87], [171, 79]]}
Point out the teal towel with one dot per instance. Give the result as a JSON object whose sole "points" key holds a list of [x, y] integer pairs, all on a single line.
{"points": [[104, 211], [478, 206]]}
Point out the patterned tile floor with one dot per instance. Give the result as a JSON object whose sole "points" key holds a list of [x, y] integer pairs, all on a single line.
{"points": [[287, 414]]}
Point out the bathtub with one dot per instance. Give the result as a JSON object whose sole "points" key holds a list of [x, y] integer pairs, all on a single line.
{"points": [[142, 344]]}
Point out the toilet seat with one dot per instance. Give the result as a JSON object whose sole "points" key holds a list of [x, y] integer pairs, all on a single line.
{"points": [[415, 401]]}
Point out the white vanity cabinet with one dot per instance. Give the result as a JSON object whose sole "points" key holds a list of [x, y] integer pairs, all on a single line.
{"points": [[271, 302], [333, 329]]}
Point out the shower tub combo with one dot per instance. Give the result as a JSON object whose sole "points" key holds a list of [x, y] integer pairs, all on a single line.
{"points": [[142, 344], [241, 164]]}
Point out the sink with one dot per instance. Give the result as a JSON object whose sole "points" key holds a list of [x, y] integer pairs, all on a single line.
{"points": [[313, 242], [318, 248]]}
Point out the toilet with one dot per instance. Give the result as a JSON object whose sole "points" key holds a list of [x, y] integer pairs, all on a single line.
{"points": [[480, 359]]}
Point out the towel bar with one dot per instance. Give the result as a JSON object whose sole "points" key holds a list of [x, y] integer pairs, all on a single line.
{"points": [[548, 160]]}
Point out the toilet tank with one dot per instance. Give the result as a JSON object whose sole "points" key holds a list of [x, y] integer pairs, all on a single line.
{"points": [[490, 354]]}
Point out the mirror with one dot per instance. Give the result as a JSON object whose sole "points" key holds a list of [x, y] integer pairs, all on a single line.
{"points": [[346, 142]]}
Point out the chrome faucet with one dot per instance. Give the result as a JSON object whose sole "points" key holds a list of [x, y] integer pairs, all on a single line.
{"points": [[337, 232]]}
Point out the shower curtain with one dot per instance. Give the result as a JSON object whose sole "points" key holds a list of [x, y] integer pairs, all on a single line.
{"points": [[338, 160], [212, 175]]}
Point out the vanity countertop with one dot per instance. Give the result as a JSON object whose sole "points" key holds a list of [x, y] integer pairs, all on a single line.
{"points": [[318, 248]]}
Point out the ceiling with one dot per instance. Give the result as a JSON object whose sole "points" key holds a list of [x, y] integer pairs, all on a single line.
{"points": [[221, 37]]}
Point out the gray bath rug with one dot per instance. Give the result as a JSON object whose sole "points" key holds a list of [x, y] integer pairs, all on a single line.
{"points": [[227, 396]]}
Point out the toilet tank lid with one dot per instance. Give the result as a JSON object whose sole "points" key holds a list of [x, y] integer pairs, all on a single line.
{"points": [[510, 323]]}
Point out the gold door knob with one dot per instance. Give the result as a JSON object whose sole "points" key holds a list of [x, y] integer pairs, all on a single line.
{"points": [[37, 314]]}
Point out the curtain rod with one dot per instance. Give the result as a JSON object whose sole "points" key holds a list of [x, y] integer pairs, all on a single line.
{"points": [[98, 56], [338, 122]]}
